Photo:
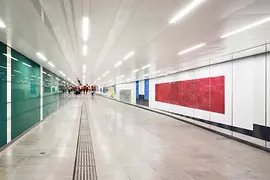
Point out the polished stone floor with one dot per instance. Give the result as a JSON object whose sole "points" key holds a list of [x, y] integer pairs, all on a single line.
{"points": [[47, 152], [130, 144]]}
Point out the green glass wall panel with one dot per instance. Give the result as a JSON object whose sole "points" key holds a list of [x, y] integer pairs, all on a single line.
{"points": [[54, 94], [3, 95], [25, 94]]}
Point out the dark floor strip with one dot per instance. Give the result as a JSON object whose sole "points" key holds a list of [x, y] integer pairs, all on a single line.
{"points": [[85, 167]]}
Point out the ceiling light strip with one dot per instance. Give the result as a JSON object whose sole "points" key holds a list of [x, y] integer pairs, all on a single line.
{"points": [[186, 10], [192, 48], [257, 23]]}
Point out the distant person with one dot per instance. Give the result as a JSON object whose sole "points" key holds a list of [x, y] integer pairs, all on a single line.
{"points": [[92, 92]]}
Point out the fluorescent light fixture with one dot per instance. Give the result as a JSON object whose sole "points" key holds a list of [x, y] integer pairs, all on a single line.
{"points": [[191, 49], [186, 10], [146, 66], [107, 72], [57, 79], [49, 75], [118, 64], [69, 79], [146, 75], [99, 79], [3, 67], [9, 56], [63, 74], [84, 68], [122, 76], [2, 24], [136, 70], [129, 55], [156, 72], [41, 56], [33, 76], [85, 28], [17, 71], [25, 78], [85, 48], [257, 23], [27, 64], [44, 72], [51, 64], [104, 75]]}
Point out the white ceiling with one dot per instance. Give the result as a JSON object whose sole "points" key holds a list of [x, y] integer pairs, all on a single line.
{"points": [[117, 27]]}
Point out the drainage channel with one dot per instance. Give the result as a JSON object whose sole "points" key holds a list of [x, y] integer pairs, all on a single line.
{"points": [[85, 167]]}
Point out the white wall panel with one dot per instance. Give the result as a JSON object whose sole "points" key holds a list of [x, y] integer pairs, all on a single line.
{"points": [[248, 91], [223, 69], [268, 90], [201, 73], [129, 86], [141, 87]]}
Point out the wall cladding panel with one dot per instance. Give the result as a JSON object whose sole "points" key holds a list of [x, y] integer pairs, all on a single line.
{"points": [[3, 95], [25, 94]]}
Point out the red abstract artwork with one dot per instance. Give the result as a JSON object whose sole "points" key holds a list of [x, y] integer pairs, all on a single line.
{"points": [[205, 93]]}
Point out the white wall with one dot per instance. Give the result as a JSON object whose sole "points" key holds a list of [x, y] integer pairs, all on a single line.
{"points": [[128, 86]]}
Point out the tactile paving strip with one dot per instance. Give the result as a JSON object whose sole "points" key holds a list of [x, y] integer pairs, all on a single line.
{"points": [[85, 167]]}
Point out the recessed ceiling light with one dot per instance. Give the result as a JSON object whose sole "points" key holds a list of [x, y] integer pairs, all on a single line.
{"points": [[185, 11], [118, 64], [85, 28], [136, 70], [146, 66], [257, 23], [191, 49], [85, 49], [63, 74], [51, 64], [129, 55], [41, 56], [84, 68], [2, 24]]}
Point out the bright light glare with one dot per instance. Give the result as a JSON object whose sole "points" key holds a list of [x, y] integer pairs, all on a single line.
{"points": [[41, 56], [2, 24], [84, 68], [51, 64], [63, 74], [192, 48], [27, 64], [185, 11], [147, 66], [129, 55], [85, 47], [136, 70], [257, 23], [118, 64], [9, 56], [85, 28]]}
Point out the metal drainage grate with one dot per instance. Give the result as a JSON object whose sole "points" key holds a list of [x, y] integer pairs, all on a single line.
{"points": [[85, 167]]}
